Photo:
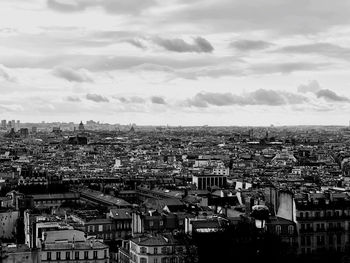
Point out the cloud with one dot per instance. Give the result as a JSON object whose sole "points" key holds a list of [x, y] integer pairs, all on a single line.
{"points": [[247, 45], [285, 68], [199, 45], [136, 43], [331, 96], [327, 94], [73, 99], [313, 86], [6, 75], [158, 100], [71, 74], [291, 17], [325, 49], [132, 99], [109, 6], [96, 98], [258, 97]]}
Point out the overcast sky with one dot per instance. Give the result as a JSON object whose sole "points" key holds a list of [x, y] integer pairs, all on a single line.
{"points": [[176, 62]]}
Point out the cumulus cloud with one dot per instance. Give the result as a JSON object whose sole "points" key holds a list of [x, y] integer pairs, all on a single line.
{"points": [[313, 86], [327, 94], [258, 97], [73, 99], [158, 100], [110, 6], [96, 98], [71, 74], [199, 45], [247, 45], [331, 96]]}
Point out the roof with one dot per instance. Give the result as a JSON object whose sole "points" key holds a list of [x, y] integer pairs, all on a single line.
{"points": [[158, 240], [82, 245], [120, 213], [64, 235], [37, 197], [99, 196]]}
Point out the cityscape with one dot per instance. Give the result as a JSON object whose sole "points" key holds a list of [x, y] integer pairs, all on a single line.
{"points": [[128, 193], [178, 131]]}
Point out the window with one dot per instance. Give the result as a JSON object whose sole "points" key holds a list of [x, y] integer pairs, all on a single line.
{"points": [[143, 250], [67, 255], [76, 255], [100, 228], [278, 229], [320, 240], [48, 255], [155, 250], [58, 255], [290, 230], [105, 253], [164, 260], [95, 254], [161, 222], [330, 239], [143, 260], [150, 223], [308, 240], [301, 215], [155, 260], [86, 254], [306, 214], [164, 250], [338, 239], [317, 214]]}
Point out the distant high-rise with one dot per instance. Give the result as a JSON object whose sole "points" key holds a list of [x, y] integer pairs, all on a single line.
{"points": [[13, 124], [3, 124], [81, 126], [24, 132]]}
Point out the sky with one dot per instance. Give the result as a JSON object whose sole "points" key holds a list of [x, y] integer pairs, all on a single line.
{"points": [[176, 62]]}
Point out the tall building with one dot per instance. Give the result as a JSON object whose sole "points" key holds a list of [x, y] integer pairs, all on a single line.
{"points": [[24, 132], [81, 126], [3, 124]]}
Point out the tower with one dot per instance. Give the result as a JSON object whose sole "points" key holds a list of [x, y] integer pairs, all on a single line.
{"points": [[81, 126]]}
